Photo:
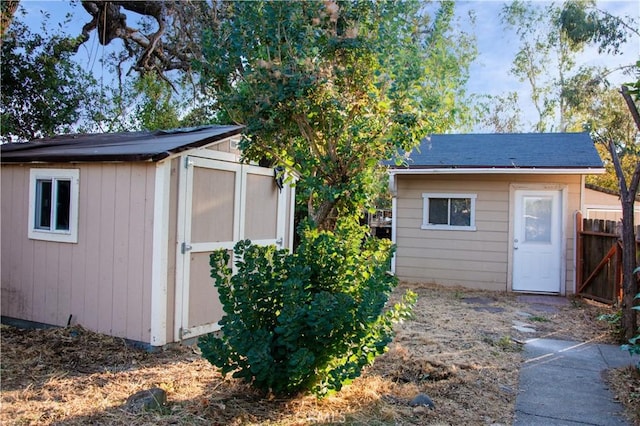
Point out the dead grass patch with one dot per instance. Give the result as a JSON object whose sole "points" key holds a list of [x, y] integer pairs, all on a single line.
{"points": [[460, 349]]}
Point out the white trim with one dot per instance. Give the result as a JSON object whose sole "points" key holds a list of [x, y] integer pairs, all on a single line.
{"points": [[257, 170], [199, 330], [212, 164], [564, 199], [575, 251], [65, 236], [448, 195], [394, 226], [239, 205], [292, 213], [563, 190], [281, 215], [183, 228], [160, 253], [497, 171]]}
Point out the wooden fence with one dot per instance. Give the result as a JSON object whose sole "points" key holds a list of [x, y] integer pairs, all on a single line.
{"points": [[599, 266]]}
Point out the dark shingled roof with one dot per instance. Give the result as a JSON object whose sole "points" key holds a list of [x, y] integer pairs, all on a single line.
{"points": [[126, 146], [505, 151]]}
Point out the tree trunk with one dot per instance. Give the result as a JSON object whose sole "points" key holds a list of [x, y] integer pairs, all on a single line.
{"points": [[627, 197], [322, 215], [630, 284]]}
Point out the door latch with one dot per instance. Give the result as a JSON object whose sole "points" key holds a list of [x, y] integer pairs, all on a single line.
{"points": [[185, 248]]}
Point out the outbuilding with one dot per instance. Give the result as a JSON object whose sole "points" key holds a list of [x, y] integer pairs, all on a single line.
{"points": [[114, 231], [604, 204], [491, 211]]}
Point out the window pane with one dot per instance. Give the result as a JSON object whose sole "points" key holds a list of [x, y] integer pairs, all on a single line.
{"points": [[43, 204], [63, 203], [537, 219], [438, 211], [460, 212]]}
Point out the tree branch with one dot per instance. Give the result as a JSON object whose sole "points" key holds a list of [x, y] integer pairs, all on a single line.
{"points": [[632, 106]]}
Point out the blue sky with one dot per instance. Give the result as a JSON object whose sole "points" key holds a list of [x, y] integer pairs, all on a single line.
{"points": [[489, 73]]}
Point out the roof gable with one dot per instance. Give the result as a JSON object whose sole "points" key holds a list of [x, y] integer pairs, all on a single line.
{"points": [[125, 146], [505, 151]]}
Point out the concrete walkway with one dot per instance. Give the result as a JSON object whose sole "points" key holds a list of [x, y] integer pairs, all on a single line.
{"points": [[561, 384]]}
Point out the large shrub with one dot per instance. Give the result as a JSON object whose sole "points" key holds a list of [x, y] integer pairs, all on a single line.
{"points": [[308, 321]]}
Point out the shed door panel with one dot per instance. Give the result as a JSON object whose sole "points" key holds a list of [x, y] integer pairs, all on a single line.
{"points": [[261, 208], [204, 302], [212, 205], [220, 203]]}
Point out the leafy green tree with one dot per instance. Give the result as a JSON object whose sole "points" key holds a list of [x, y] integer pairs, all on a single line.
{"points": [[584, 23], [617, 128], [542, 43], [328, 89], [43, 90], [156, 108], [501, 114]]}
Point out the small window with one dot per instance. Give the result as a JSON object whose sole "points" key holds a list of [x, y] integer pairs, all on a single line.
{"points": [[53, 205], [449, 211]]}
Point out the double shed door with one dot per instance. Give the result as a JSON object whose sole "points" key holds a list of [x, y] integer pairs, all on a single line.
{"points": [[220, 203]]}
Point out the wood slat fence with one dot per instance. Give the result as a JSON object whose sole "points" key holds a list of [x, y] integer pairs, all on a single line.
{"points": [[599, 266]]}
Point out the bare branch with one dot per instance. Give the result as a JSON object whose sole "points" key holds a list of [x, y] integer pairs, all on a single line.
{"points": [[632, 106]]}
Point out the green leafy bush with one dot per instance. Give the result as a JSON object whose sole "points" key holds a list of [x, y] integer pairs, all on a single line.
{"points": [[308, 321], [634, 343]]}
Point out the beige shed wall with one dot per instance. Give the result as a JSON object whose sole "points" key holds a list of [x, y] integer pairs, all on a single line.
{"points": [[104, 280], [474, 259], [599, 205]]}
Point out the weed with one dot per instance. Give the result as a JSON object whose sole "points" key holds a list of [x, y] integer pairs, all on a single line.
{"points": [[538, 318]]}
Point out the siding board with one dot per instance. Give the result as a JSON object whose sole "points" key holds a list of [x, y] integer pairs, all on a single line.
{"points": [[106, 248], [122, 226], [147, 251], [92, 181], [135, 243]]}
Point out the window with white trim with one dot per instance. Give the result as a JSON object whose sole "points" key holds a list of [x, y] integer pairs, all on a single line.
{"points": [[449, 211], [53, 205]]}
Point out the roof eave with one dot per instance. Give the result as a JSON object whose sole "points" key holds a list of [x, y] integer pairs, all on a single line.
{"points": [[498, 170]]}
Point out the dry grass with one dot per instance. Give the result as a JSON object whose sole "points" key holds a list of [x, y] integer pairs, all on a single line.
{"points": [[457, 349], [625, 384]]}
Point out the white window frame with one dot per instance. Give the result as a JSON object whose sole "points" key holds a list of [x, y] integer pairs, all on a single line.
{"points": [[425, 211], [61, 236]]}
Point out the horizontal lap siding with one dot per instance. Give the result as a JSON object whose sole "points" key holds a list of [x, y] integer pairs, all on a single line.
{"points": [[476, 259], [103, 282], [469, 258]]}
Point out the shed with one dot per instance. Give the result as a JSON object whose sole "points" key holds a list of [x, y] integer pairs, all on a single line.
{"points": [[604, 204], [114, 231], [491, 211]]}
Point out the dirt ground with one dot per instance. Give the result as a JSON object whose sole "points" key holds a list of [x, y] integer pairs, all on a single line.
{"points": [[460, 349]]}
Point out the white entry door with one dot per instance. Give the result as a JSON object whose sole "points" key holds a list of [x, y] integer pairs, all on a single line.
{"points": [[537, 243]]}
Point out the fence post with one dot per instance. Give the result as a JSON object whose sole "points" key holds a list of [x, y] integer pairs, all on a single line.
{"points": [[579, 255]]}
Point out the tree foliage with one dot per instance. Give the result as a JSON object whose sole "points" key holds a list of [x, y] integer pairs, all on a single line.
{"points": [[542, 43], [327, 89], [583, 23], [44, 91], [308, 321]]}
